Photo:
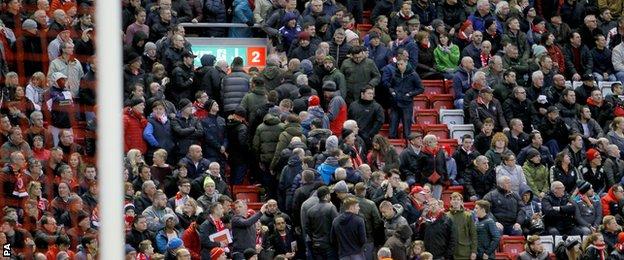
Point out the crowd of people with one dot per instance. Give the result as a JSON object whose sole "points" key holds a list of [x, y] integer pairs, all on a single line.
{"points": [[545, 157]]}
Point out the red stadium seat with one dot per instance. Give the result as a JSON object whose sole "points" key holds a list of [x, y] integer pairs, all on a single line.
{"points": [[442, 101], [446, 194], [503, 256], [398, 144], [426, 116], [434, 87], [254, 205], [384, 130], [363, 29], [512, 245], [366, 16], [469, 205], [421, 102], [248, 197], [439, 130]]}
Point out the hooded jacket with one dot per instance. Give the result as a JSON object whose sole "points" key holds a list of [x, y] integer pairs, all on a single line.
{"points": [[242, 14], [253, 100], [536, 176], [266, 138], [60, 105], [466, 232], [506, 206], [207, 77], [392, 225], [272, 74], [291, 130], [610, 204], [349, 233], [358, 76], [134, 123]]}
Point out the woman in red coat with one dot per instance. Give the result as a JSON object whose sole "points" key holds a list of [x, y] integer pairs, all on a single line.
{"points": [[134, 122]]}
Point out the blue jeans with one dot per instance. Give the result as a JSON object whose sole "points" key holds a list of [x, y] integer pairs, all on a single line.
{"points": [[553, 146], [620, 76], [508, 230], [406, 115], [369, 251]]}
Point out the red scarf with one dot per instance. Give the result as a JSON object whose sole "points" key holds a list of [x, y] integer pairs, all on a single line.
{"points": [[601, 249], [485, 59], [357, 160], [20, 189], [218, 224], [433, 151], [537, 30]]}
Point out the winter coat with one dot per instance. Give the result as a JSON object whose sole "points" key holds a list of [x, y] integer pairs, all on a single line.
{"points": [[451, 14], [186, 131], [134, 123], [410, 46], [409, 166], [61, 107], [319, 223], [523, 110], [439, 236], [237, 135], [314, 113], [520, 40], [506, 206], [399, 242], [348, 231], [404, 87], [286, 179], [598, 179], [301, 52], [242, 14], [557, 130], [568, 179], [381, 55], [563, 219], [336, 113], [488, 236], [253, 100], [181, 85], [462, 81], [190, 238], [171, 57], [392, 225], [586, 63], [327, 169], [616, 140], [214, 136], [536, 177], [290, 130], [495, 158], [588, 215], [479, 111], [358, 76], [466, 233], [214, 12], [266, 138], [272, 76], [244, 231], [205, 230], [610, 204], [514, 173], [337, 77], [208, 77], [431, 163], [339, 52], [614, 169], [233, 88], [479, 184], [478, 21], [446, 58], [372, 218]]}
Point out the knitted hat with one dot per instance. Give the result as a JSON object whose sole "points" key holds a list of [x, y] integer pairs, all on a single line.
{"points": [[170, 216], [29, 24], [437, 22], [538, 20], [331, 142], [532, 153], [129, 206], [313, 101], [289, 16], [592, 154], [209, 103], [208, 180], [538, 50], [304, 36], [350, 35], [240, 111], [583, 187], [341, 187], [417, 189], [329, 58], [150, 46], [306, 67], [216, 252], [329, 86], [135, 101], [570, 242], [175, 243], [345, 133], [184, 103]]}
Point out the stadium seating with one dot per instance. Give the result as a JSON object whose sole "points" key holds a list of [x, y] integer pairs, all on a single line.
{"points": [[457, 131], [426, 116], [249, 193], [421, 102], [503, 256], [559, 239], [469, 205], [433, 87], [363, 29], [439, 130], [605, 87], [451, 116], [549, 243], [450, 143], [446, 194], [398, 144], [441, 101], [512, 245]]}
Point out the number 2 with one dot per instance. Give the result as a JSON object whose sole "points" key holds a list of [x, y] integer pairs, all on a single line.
{"points": [[255, 56]]}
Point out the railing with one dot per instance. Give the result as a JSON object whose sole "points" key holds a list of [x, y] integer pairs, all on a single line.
{"points": [[228, 25]]}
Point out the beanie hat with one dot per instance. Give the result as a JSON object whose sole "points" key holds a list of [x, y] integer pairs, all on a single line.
{"points": [[184, 103], [135, 101], [437, 22], [329, 86], [129, 206], [174, 243], [570, 242], [305, 91], [306, 67], [350, 35], [240, 111], [304, 36], [313, 101], [209, 103], [237, 62], [537, 20], [592, 154], [29, 24], [331, 142], [289, 16], [532, 153], [341, 187], [346, 132], [208, 180], [583, 187], [538, 50], [216, 252], [150, 46]]}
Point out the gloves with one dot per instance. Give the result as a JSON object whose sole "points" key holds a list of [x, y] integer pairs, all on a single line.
{"points": [[250, 23]]}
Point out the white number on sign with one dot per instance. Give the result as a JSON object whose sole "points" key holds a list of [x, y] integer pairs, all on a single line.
{"points": [[255, 56]]}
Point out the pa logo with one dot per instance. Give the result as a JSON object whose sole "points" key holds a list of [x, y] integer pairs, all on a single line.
{"points": [[6, 250]]}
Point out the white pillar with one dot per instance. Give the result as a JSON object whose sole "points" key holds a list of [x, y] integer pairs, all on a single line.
{"points": [[110, 142]]}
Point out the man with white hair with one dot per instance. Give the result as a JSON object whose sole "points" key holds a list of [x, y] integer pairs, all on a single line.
{"points": [[613, 166], [559, 211], [384, 253], [462, 80], [506, 207], [482, 14]]}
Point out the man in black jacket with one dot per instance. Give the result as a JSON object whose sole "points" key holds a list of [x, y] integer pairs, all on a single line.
{"points": [[349, 231], [318, 226], [559, 211], [182, 78], [207, 77], [554, 131], [464, 156], [437, 231], [506, 207], [521, 108], [367, 113], [409, 159]]}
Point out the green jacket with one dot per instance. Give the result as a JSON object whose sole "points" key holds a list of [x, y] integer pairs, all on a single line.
{"points": [[291, 130], [253, 100], [372, 218], [266, 138], [446, 61], [466, 233], [337, 77], [358, 75], [536, 177]]}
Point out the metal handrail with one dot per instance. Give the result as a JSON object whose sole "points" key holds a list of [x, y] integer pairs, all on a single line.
{"points": [[229, 25]]}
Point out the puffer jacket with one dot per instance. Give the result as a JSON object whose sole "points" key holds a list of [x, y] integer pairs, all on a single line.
{"points": [[610, 204], [614, 169], [327, 169], [273, 77], [358, 76], [319, 222], [562, 219], [336, 113], [439, 235], [214, 136], [287, 176], [452, 14], [339, 52], [536, 177], [506, 206], [266, 138], [254, 100], [337, 77], [404, 87], [186, 131], [290, 130], [234, 87], [214, 12], [488, 236], [159, 134], [134, 123], [181, 85], [207, 76], [588, 215]]}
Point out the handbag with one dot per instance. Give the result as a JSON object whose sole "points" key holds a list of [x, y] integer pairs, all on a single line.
{"points": [[435, 176]]}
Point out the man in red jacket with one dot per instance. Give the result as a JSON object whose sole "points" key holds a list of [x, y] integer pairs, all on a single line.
{"points": [[611, 201]]}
